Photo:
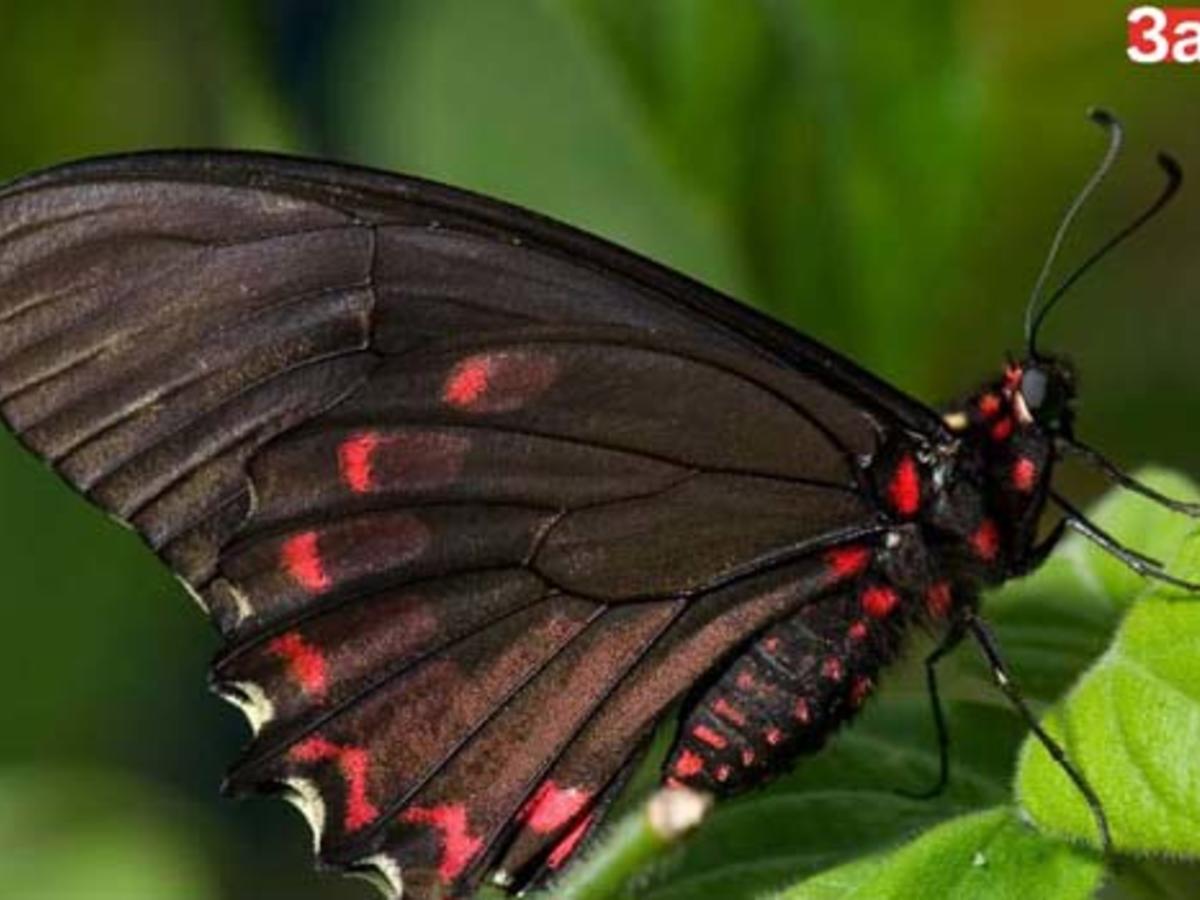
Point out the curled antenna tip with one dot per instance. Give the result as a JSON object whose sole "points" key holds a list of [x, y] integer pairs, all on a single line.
{"points": [[1102, 117], [1170, 165]]}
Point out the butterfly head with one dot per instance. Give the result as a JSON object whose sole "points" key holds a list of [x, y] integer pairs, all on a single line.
{"points": [[1042, 392]]}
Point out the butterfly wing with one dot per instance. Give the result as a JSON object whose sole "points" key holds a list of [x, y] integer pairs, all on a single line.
{"points": [[472, 497]]}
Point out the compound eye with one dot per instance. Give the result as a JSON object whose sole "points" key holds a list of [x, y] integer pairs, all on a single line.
{"points": [[1034, 384]]}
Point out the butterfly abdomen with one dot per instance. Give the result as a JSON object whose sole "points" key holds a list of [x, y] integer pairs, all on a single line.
{"points": [[788, 690]]}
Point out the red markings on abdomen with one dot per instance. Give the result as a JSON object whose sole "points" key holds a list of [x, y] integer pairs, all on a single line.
{"points": [[938, 599], [353, 763], [500, 381], [1024, 474], [688, 764], [878, 601], [372, 460], [985, 541], [904, 488], [301, 559], [552, 806], [305, 663], [458, 845]]}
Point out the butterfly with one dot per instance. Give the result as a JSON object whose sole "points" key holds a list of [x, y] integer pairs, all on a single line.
{"points": [[476, 500]]}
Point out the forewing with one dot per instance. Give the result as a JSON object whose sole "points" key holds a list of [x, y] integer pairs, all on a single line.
{"points": [[436, 467]]}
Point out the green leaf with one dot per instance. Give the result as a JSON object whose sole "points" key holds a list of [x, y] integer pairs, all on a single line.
{"points": [[1132, 725], [981, 856]]}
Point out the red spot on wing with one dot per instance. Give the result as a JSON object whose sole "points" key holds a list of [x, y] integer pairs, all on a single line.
{"points": [[353, 763], [831, 668], [747, 682], [771, 644], [564, 848], [1024, 474], [552, 806], [728, 711], [985, 542], [857, 630], [499, 381], [938, 599], [989, 405], [1002, 429], [845, 562], [878, 601], [301, 558], [904, 489], [306, 664], [688, 764], [706, 735], [459, 846], [354, 460], [373, 461], [1012, 376]]}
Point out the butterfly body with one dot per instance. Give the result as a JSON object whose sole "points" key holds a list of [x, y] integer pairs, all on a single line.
{"points": [[474, 499]]}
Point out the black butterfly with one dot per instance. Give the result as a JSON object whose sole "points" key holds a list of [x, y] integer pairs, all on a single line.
{"points": [[475, 498]]}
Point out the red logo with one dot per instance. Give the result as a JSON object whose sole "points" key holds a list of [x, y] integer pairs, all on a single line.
{"points": [[1164, 34]]}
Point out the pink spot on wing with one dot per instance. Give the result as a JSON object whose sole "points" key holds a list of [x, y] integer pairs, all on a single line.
{"points": [[1024, 474], [1002, 429], [424, 459], [563, 849], [845, 562], [354, 460], [857, 630], [723, 772], [904, 489], [831, 668], [459, 846], [771, 644], [985, 541], [878, 601], [353, 763], [552, 806], [747, 756], [306, 664], [773, 736], [301, 558], [706, 735], [499, 381]]}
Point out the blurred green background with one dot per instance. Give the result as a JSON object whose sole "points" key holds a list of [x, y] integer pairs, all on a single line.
{"points": [[887, 179]]}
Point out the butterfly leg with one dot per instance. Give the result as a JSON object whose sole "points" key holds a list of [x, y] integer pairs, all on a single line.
{"points": [[1041, 550], [991, 651], [1122, 479], [949, 641], [1138, 562]]}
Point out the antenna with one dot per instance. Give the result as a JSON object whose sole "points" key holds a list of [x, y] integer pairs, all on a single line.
{"points": [[1035, 310]]}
